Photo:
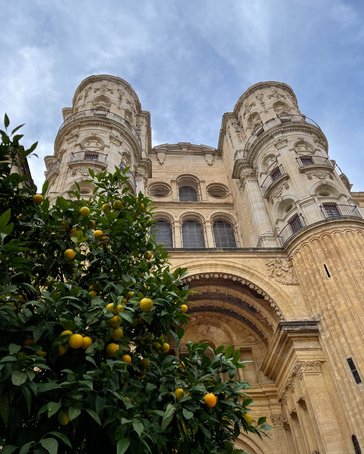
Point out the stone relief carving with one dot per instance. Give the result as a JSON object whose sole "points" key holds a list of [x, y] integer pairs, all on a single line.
{"points": [[79, 171], [248, 109], [277, 193], [209, 158], [321, 175], [281, 270], [278, 420], [301, 367], [161, 156], [280, 143]]}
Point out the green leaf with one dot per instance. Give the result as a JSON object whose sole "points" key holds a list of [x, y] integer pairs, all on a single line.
{"points": [[122, 445], [18, 378], [138, 427], [168, 415], [261, 420], [187, 414], [9, 449], [6, 121], [25, 448], [74, 413], [5, 218], [93, 415], [50, 444], [17, 128], [52, 408], [61, 436]]}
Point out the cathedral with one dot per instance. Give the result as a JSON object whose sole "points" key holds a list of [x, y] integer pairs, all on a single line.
{"points": [[273, 240]]}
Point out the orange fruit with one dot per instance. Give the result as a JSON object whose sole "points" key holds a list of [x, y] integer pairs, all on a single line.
{"points": [[166, 347], [41, 353], [117, 205], [91, 224], [248, 418], [70, 254], [28, 342], [112, 349], [75, 341], [62, 350], [63, 418], [149, 255], [115, 321], [87, 341], [145, 363], [98, 233], [126, 359], [66, 332], [179, 393], [117, 334], [106, 207], [146, 304], [37, 198], [183, 307], [210, 400], [92, 293], [84, 211], [130, 294]]}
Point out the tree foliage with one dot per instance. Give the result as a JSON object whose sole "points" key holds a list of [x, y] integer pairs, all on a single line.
{"points": [[111, 389]]}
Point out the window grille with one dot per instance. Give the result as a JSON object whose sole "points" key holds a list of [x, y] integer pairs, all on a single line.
{"points": [[354, 370], [331, 210], [223, 234], [91, 156], [162, 232], [275, 174], [187, 194], [306, 160], [192, 235], [295, 223]]}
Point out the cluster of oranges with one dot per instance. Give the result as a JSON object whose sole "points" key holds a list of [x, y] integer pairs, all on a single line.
{"points": [[73, 340]]}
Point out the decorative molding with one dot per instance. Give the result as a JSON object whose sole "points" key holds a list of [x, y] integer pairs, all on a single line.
{"points": [[321, 175], [277, 193], [161, 156], [281, 270], [226, 276], [300, 368]]}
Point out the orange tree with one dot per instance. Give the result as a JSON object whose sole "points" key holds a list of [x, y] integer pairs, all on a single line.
{"points": [[88, 311]]}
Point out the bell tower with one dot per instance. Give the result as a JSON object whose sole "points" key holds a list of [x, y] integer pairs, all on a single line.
{"points": [[105, 128]]}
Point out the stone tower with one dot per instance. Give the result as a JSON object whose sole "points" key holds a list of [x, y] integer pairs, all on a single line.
{"points": [[273, 240]]}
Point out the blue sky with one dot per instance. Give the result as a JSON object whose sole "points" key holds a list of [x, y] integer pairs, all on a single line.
{"points": [[189, 61]]}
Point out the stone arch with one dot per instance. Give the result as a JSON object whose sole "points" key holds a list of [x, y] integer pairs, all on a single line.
{"points": [[325, 189], [302, 147], [92, 142]]}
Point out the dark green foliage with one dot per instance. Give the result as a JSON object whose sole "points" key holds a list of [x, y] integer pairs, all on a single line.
{"points": [[55, 398]]}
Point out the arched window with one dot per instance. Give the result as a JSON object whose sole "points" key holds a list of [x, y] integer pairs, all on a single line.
{"points": [[223, 234], [192, 235], [187, 194], [162, 232]]}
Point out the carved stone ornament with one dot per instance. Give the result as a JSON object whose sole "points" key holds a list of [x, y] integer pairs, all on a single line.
{"points": [[278, 191], [281, 270], [209, 157], [280, 143], [79, 171], [300, 368], [278, 420], [161, 156], [320, 175]]}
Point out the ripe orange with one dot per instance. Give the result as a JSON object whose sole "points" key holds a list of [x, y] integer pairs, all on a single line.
{"points": [[146, 304], [117, 334], [248, 418], [126, 359], [75, 341], [145, 363], [210, 400], [84, 211], [183, 307], [37, 198], [106, 207], [92, 293], [130, 294], [115, 321], [149, 255], [63, 418], [166, 347], [117, 205], [62, 350], [70, 254], [112, 349], [86, 342], [66, 332], [98, 233], [179, 393]]}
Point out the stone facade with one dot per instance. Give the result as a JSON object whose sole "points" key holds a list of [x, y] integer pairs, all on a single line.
{"points": [[273, 240]]}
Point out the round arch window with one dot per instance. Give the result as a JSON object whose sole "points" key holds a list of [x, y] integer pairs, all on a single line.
{"points": [[159, 190], [218, 191]]}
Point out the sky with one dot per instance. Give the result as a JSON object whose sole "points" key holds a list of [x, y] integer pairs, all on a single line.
{"points": [[188, 61]]}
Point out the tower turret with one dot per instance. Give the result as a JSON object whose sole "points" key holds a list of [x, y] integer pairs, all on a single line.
{"points": [[105, 128]]}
